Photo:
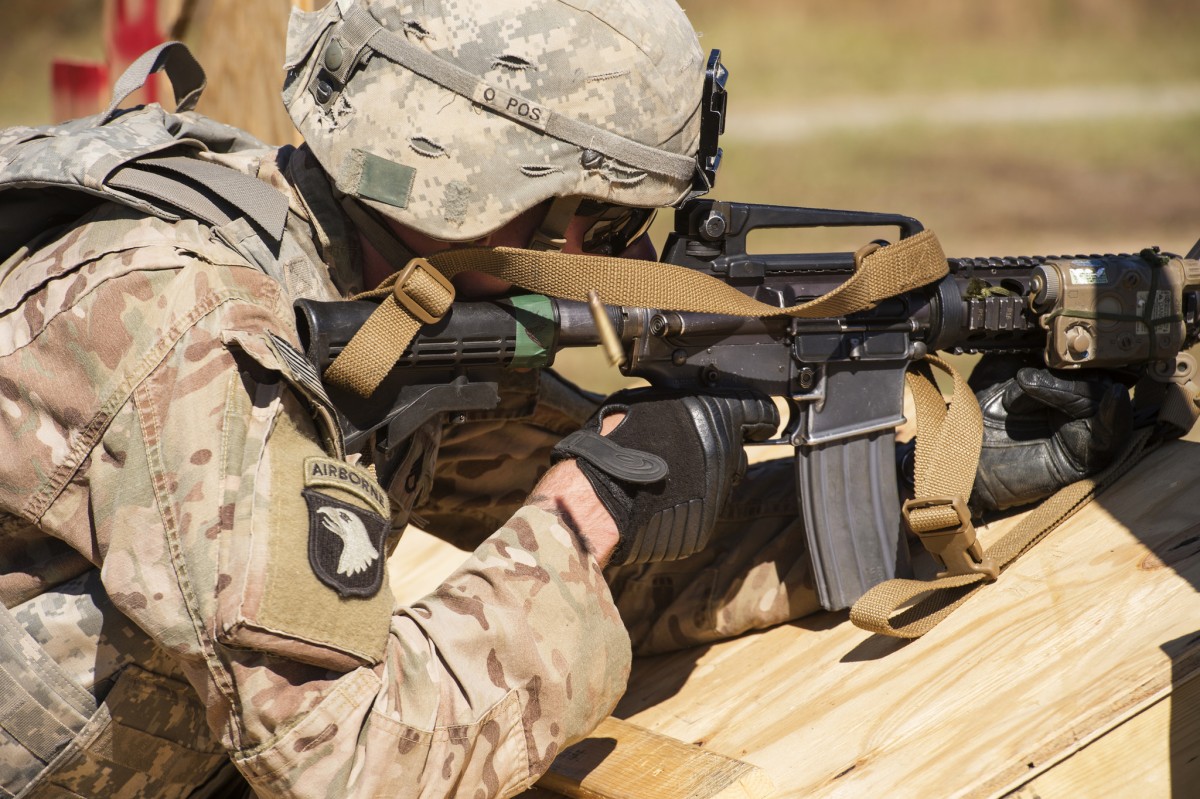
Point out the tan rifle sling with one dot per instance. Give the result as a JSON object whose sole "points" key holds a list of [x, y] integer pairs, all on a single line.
{"points": [[948, 444], [422, 293]]}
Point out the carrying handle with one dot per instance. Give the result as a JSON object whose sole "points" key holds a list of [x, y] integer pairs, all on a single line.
{"points": [[182, 68]]}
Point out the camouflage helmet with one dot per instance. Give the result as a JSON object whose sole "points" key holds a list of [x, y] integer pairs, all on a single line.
{"points": [[453, 117]]}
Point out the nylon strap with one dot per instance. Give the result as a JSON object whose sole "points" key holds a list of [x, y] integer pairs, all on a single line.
{"points": [[949, 439], [373, 351], [186, 74], [171, 180], [927, 603]]}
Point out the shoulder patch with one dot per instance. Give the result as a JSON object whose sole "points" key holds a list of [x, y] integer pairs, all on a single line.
{"points": [[345, 545], [333, 473]]}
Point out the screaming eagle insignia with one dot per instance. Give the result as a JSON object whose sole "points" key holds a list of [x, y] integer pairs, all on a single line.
{"points": [[345, 545], [357, 552]]}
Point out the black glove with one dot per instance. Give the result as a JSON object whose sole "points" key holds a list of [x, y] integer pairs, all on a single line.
{"points": [[1043, 430], [667, 468]]}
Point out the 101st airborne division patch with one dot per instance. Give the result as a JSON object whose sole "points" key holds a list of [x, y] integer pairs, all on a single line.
{"points": [[347, 526]]}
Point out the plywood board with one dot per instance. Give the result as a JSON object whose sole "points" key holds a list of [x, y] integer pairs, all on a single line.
{"points": [[1155, 753], [1094, 625], [1060, 676], [623, 761]]}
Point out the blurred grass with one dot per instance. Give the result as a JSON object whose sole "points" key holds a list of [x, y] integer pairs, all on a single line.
{"points": [[795, 50], [1111, 185]]}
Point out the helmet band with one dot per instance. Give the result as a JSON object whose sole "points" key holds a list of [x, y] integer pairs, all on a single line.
{"points": [[359, 30]]}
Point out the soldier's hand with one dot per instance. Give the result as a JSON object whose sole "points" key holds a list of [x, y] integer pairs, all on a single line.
{"points": [[1043, 430], [666, 468]]}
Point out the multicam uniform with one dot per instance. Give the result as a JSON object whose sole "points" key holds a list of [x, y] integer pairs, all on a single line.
{"points": [[171, 465]]}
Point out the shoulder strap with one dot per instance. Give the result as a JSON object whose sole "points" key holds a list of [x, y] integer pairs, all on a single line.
{"points": [[198, 188]]}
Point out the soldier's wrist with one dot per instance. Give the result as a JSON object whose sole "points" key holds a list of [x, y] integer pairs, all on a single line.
{"points": [[565, 492]]}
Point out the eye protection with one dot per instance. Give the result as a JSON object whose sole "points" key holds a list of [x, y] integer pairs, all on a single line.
{"points": [[612, 228]]}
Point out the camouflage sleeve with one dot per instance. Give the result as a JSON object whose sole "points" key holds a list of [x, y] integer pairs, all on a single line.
{"points": [[487, 464], [214, 502]]}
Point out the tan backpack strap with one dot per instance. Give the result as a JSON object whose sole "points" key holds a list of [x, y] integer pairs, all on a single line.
{"points": [[379, 343]]}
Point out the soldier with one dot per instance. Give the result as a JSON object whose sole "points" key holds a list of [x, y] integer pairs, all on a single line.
{"points": [[194, 565]]}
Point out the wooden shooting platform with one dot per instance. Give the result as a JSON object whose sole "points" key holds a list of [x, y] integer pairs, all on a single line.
{"points": [[1077, 674], [1074, 675]]}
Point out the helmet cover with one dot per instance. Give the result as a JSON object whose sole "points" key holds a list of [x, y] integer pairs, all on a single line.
{"points": [[452, 117]]}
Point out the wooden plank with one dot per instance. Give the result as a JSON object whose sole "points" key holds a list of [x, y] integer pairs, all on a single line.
{"points": [[1091, 627], [623, 761], [1156, 753], [1063, 668]]}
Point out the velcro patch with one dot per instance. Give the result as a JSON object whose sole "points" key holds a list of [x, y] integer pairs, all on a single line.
{"points": [[381, 180], [345, 545], [333, 473]]}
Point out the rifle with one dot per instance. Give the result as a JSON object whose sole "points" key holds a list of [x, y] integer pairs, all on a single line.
{"points": [[842, 379]]}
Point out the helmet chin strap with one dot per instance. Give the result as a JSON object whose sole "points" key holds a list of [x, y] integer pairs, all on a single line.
{"points": [[552, 234], [377, 234]]}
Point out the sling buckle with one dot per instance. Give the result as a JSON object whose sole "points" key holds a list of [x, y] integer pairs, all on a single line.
{"points": [[423, 291], [953, 543]]}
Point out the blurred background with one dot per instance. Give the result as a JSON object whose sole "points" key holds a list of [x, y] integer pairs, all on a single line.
{"points": [[1008, 127]]}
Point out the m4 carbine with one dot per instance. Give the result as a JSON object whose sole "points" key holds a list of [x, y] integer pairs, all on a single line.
{"points": [[842, 378]]}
